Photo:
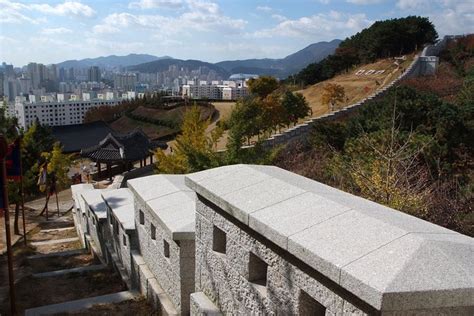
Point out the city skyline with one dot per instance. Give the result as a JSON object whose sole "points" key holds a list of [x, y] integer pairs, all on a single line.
{"points": [[53, 31]]}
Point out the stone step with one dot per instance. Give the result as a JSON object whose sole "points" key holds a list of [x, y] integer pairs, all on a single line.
{"points": [[58, 254], [54, 241], [82, 304], [56, 273], [57, 229]]}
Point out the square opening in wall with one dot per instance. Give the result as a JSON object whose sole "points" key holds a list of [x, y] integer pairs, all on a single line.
{"points": [[309, 306], [257, 270], [166, 248], [124, 240], [219, 240], [142, 218], [153, 232]]}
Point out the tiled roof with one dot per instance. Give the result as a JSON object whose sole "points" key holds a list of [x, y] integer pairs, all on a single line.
{"points": [[122, 147], [76, 137]]}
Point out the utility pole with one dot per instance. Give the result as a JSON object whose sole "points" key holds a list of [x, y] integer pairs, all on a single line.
{"points": [[3, 154]]}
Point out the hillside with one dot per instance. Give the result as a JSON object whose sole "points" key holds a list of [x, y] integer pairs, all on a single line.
{"points": [[112, 61], [284, 66], [148, 118], [357, 84], [164, 64], [411, 149]]}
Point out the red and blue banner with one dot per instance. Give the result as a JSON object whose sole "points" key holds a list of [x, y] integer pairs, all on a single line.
{"points": [[13, 161]]}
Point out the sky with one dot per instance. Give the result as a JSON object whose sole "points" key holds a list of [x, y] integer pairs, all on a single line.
{"points": [[54, 31]]}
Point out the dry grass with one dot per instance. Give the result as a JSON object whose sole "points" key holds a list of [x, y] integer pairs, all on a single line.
{"points": [[356, 87], [34, 292], [60, 263], [59, 247], [125, 125], [57, 234]]}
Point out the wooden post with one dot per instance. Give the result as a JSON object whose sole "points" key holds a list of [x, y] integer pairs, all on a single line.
{"points": [[11, 279], [141, 163], [151, 159], [22, 193], [57, 201], [109, 171], [99, 167]]}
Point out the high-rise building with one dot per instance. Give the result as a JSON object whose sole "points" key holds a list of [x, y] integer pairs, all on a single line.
{"points": [[125, 82], [93, 74]]}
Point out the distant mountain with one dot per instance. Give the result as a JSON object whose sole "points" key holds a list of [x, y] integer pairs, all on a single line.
{"points": [[112, 61], [164, 64], [285, 66]]}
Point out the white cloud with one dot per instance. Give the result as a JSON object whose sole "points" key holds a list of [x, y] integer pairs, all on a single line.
{"points": [[449, 16], [153, 4], [200, 15], [412, 4], [278, 17], [324, 25], [11, 13], [16, 12], [264, 8], [56, 31], [364, 2], [68, 8]]}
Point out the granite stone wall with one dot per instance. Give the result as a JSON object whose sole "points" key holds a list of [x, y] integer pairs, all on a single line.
{"points": [[95, 229], [290, 290], [171, 269]]}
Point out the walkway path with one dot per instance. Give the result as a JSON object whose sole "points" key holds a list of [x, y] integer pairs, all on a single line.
{"points": [[54, 274]]}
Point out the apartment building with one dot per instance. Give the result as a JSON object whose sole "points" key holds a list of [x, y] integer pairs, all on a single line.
{"points": [[57, 111]]}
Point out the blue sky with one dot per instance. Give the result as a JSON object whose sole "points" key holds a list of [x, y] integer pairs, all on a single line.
{"points": [[53, 31]]}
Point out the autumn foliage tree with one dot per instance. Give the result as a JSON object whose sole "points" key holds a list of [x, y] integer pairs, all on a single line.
{"points": [[194, 149], [333, 94], [262, 86]]}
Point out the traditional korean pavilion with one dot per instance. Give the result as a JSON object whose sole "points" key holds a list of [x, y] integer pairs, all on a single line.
{"points": [[122, 151]]}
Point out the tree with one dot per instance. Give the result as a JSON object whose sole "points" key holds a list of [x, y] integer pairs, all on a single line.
{"points": [[381, 40], [333, 94], [58, 163], [295, 107], [262, 86], [246, 120], [194, 149]]}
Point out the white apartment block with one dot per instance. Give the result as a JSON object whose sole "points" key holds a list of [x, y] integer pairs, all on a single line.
{"points": [[57, 111], [228, 90]]}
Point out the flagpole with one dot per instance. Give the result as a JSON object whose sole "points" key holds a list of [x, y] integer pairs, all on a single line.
{"points": [[3, 153], [22, 193]]}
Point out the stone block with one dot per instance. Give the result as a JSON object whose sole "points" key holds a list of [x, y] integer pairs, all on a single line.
{"points": [[340, 240], [279, 221], [202, 306]]}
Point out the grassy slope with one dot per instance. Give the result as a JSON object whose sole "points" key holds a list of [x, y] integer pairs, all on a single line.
{"points": [[356, 87], [126, 124]]}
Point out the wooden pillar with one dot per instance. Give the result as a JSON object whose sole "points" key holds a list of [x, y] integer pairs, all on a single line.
{"points": [[99, 170], [151, 159], [109, 172], [141, 163]]}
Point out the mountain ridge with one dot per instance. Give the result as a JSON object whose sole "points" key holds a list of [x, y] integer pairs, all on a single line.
{"points": [[110, 61], [278, 67]]}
